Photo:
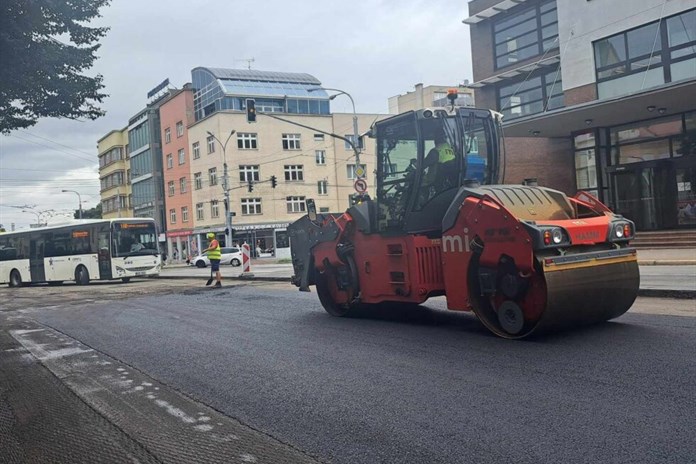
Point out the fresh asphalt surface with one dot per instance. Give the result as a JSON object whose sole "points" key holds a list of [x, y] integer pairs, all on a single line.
{"points": [[421, 386]]}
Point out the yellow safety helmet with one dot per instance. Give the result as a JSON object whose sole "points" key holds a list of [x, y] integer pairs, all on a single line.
{"points": [[210, 235]]}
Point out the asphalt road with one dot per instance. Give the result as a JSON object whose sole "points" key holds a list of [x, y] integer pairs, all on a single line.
{"points": [[426, 385]]}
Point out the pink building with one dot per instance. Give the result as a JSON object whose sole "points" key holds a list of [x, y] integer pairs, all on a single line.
{"points": [[176, 114]]}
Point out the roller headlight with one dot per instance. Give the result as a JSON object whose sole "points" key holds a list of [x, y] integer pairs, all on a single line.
{"points": [[557, 236], [619, 230]]}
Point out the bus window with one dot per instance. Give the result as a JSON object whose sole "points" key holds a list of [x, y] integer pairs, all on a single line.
{"points": [[137, 238]]}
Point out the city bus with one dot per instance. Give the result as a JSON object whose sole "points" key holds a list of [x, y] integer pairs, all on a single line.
{"points": [[80, 251]]}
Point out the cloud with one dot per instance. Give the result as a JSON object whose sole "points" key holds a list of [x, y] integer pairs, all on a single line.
{"points": [[374, 49]]}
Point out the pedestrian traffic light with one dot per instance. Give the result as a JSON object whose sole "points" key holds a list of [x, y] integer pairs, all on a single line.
{"points": [[274, 181], [251, 187], [251, 111]]}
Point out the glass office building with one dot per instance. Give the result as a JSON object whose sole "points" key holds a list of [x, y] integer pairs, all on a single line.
{"points": [[217, 89]]}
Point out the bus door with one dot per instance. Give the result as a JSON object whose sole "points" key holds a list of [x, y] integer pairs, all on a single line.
{"points": [[104, 254], [36, 259]]}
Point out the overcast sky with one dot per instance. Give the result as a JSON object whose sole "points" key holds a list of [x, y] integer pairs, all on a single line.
{"points": [[373, 49]]}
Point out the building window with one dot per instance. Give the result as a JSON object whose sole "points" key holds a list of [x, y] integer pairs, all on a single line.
{"points": [[646, 141], [295, 204], [172, 216], [639, 59], [167, 135], [251, 206], [246, 141], [351, 137], [197, 181], [179, 129], [199, 211], [182, 185], [248, 173], [318, 137], [182, 156], [214, 209], [586, 162], [322, 187], [535, 95], [170, 161], [526, 34], [350, 170], [184, 214], [291, 141], [212, 176], [211, 144], [320, 157], [293, 172], [196, 150], [170, 188]]}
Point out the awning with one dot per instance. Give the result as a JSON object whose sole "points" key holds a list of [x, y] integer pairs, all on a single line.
{"points": [[517, 72], [488, 13], [661, 101]]}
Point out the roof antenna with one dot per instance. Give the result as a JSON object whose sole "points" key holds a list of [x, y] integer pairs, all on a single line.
{"points": [[248, 60]]}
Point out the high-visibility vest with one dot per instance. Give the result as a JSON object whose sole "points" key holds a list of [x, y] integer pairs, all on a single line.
{"points": [[215, 253], [445, 152]]}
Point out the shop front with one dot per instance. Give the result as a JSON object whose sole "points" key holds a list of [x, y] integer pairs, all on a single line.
{"points": [[265, 240]]}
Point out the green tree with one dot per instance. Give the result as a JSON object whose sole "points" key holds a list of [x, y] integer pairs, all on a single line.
{"points": [[93, 213], [45, 47]]}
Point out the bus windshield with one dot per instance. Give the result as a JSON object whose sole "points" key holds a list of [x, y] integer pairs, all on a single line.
{"points": [[134, 238]]}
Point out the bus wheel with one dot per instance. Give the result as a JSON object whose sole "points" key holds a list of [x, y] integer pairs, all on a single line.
{"points": [[15, 278], [125, 280], [81, 276]]}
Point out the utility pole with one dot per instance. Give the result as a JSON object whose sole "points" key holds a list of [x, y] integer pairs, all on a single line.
{"points": [[225, 187]]}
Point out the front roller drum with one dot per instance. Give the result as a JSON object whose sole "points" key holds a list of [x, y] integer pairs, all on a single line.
{"points": [[564, 299]]}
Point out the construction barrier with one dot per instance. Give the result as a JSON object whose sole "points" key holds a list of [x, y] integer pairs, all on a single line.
{"points": [[246, 260]]}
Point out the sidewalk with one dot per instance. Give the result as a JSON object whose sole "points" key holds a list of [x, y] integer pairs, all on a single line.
{"points": [[669, 273]]}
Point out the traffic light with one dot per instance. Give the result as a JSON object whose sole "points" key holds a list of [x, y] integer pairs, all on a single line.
{"points": [[274, 181], [251, 111], [251, 187]]}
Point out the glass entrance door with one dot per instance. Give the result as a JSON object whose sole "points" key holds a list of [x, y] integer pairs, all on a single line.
{"points": [[646, 196]]}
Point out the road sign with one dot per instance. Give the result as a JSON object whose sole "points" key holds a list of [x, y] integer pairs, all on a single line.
{"points": [[360, 185], [360, 171]]}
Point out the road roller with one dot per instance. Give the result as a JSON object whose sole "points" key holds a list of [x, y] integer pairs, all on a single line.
{"points": [[523, 258]]}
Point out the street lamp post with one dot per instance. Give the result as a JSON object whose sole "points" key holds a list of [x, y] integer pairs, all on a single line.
{"points": [[225, 188], [38, 214], [79, 199], [356, 135]]}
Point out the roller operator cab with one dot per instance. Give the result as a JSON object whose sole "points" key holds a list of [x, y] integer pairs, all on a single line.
{"points": [[523, 258]]}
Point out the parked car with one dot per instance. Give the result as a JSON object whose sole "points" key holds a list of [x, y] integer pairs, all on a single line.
{"points": [[230, 255]]}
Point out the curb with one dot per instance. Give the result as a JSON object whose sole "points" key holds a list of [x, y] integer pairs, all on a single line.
{"points": [[667, 293], [239, 278], [644, 292], [668, 262]]}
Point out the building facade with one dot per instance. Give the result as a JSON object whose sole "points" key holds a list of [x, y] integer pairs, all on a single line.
{"points": [[113, 174], [611, 83], [146, 173], [429, 96], [305, 161], [176, 115]]}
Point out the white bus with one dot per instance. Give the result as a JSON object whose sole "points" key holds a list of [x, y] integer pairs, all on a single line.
{"points": [[89, 249]]}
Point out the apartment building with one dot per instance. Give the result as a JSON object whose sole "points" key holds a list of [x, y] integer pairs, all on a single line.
{"points": [[429, 96], [113, 174], [176, 114], [305, 161], [597, 96]]}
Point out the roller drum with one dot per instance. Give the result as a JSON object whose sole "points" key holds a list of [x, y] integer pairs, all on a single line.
{"points": [[566, 298]]}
